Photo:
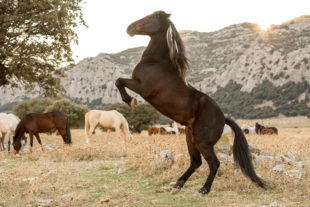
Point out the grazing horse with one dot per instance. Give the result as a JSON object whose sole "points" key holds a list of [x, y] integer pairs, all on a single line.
{"points": [[260, 129], [160, 78], [8, 123], [33, 124], [106, 119]]}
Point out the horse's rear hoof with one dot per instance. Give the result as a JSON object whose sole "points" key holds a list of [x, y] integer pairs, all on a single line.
{"points": [[175, 190], [133, 103], [203, 191]]}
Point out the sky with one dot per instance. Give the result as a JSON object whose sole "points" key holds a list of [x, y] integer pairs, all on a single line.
{"points": [[107, 20]]}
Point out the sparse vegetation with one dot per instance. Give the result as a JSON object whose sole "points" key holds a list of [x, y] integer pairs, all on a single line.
{"points": [[90, 175], [242, 104]]}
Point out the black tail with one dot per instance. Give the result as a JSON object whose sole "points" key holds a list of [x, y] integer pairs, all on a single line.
{"points": [[68, 133], [242, 154]]}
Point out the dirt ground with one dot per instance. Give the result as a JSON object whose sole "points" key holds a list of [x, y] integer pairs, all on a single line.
{"points": [[116, 172]]}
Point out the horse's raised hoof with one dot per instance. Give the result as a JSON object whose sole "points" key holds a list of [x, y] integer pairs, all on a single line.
{"points": [[133, 103], [203, 191]]}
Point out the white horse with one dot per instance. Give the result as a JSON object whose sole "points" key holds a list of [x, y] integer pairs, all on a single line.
{"points": [[106, 119], [173, 127], [250, 129], [8, 123]]}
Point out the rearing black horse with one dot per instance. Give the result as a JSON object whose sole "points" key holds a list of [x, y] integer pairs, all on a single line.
{"points": [[160, 78]]}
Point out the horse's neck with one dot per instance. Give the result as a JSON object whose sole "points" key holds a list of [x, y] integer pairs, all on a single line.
{"points": [[157, 48], [20, 130]]}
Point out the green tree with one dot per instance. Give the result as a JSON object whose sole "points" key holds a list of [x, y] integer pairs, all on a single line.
{"points": [[35, 105], [35, 38], [75, 112]]}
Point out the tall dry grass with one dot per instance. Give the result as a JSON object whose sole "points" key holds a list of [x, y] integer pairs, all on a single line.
{"points": [[87, 175]]}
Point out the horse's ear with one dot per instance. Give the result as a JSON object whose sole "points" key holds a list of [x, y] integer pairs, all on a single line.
{"points": [[168, 15]]}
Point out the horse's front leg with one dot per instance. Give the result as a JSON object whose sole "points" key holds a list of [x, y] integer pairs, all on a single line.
{"points": [[131, 84]]}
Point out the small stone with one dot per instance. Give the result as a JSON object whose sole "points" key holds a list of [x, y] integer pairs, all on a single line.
{"points": [[120, 171], [290, 155], [167, 154], [294, 173], [286, 160], [301, 164], [278, 168]]}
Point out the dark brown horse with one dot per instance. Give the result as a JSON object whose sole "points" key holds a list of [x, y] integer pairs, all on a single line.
{"points": [[160, 78], [33, 124]]}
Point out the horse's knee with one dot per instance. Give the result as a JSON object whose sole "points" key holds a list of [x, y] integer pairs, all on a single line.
{"points": [[118, 83]]}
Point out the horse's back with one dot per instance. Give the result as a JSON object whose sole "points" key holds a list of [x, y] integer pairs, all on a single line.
{"points": [[105, 118], [44, 122]]}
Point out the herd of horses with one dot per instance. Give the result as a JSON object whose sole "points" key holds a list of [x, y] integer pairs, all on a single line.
{"points": [[160, 79], [154, 130]]}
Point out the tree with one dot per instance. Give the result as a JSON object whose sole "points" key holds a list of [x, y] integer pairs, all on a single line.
{"points": [[35, 105], [75, 112], [35, 38]]}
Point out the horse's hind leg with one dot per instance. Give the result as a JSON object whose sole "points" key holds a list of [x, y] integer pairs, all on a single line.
{"points": [[205, 138], [62, 132], [195, 157], [90, 132], [214, 164], [2, 142], [9, 142], [39, 140], [31, 141]]}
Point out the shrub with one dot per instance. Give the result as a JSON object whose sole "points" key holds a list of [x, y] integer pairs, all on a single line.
{"points": [[35, 105], [75, 112]]}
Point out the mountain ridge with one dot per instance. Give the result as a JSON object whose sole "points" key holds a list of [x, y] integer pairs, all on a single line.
{"points": [[243, 53]]}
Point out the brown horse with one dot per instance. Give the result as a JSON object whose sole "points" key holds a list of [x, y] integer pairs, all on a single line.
{"points": [[260, 129], [33, 124], [160, 78]]}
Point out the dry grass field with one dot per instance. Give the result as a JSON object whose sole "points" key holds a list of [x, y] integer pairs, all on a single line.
{"points": [[118, 172]]}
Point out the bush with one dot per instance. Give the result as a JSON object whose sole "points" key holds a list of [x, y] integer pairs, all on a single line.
{"points": [[138, 118], [75, 112], [35, 105]]}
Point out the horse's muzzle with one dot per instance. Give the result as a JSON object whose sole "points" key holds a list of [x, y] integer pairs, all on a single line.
{"points": [[131, 29]]}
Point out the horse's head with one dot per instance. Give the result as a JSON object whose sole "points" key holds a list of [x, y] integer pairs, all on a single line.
{"points": [[149, 25], [16, 144]]}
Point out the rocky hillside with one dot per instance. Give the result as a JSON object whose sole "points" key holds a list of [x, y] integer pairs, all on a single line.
{"points": [[242, 53]]}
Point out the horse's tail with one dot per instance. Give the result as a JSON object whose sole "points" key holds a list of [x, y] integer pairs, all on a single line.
{"points": [[125, 126], [68, 133], [87, 126], [242, 154]]}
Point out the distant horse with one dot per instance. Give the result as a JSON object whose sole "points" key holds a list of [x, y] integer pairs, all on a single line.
{"points": [[106, 119], [8, 123], [268, 131], [248, 130], [33, 124], [260, 129], [173, 128], [160, 78], [181, 130], [153, 130]]}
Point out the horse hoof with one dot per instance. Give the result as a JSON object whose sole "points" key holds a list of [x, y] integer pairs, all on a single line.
{"points": [[17, 155], [203, 191], [133, 103], [175, 191]]}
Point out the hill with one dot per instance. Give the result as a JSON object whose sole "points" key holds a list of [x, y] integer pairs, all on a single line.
{"points": [[263, 67]]}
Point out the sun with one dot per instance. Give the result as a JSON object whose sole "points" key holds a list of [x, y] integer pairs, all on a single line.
{"points": [[264, 26]]}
